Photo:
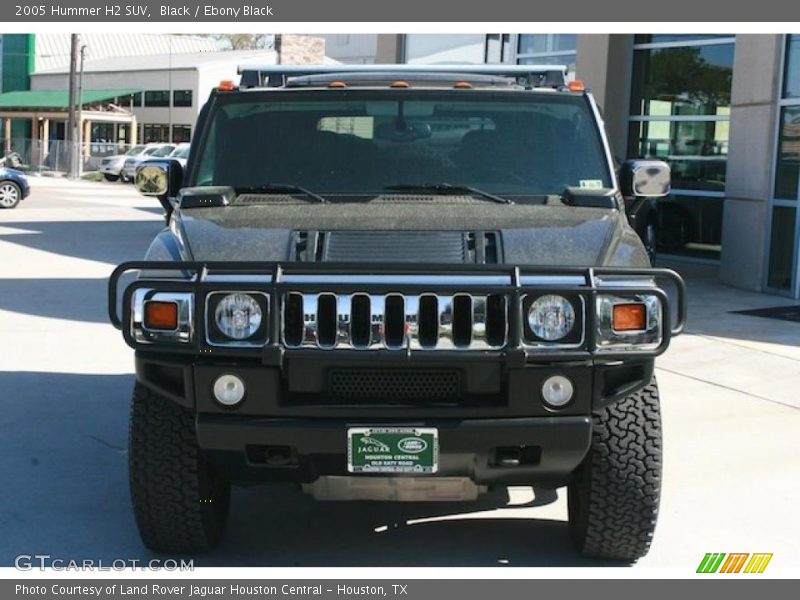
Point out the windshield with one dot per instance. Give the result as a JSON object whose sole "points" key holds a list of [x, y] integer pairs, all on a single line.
{"points": [[161, 151], [362, 142], [181, 151], [134, 151]]}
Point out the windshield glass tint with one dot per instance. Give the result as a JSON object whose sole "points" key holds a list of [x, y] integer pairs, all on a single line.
{"points": [[163, 151], [182, 151], [134, 151], [505, 143]]}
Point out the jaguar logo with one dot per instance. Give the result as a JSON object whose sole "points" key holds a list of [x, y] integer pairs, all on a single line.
{"points": [[412, 445], [374, 445]]}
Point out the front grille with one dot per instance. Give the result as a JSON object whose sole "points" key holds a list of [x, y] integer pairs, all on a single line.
{"points": [[387, 385], [395, 321]]}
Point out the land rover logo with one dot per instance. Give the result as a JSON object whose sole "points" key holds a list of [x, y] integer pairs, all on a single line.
{"points": [[412, 445]]}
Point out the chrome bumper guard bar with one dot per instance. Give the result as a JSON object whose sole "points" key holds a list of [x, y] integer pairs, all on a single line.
{"points": [[342, 286]]}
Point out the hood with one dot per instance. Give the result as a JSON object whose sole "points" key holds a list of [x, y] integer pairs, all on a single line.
{"points": [[451, 231]]}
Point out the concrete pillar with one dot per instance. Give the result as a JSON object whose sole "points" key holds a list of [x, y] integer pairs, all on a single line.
{"points": [[389, 48], [36, 144], [604, 63], [132, 131], [87, 138], [45, 138], [6, 136], [751, 154]]}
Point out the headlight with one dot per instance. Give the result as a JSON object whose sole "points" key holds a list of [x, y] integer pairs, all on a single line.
{"points": [[551, 317], [238, 316]]}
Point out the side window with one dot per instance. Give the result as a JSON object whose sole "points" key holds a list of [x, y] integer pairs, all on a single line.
{"points": [[205, 173]]}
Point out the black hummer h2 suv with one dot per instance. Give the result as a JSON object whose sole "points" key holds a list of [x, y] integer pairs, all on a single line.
{"points": [[398, 283]]}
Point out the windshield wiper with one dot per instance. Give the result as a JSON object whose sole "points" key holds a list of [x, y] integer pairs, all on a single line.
{"points": [[281, 188], [447, 188]]}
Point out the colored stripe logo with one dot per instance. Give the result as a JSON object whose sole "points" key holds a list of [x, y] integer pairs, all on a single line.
{"points": [[736, 562]]}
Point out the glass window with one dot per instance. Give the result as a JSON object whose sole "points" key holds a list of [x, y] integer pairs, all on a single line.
{"points": [[548, 49], [666, 38], [518, 145], [182, 98], [156, 98], [696, 150], [547, 42], [690, 80], [781, 252], [421, 48], [497, 47], [154, 132], [690, 225], [129, 100], [181, 133], [680, 113], [791, 80], [787, 172]]}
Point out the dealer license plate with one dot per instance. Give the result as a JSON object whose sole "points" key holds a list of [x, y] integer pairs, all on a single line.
{"points": [[392, 450]]}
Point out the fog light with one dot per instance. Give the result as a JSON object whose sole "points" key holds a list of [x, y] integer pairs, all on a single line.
{"points": [[229, 390], [557, 391]]}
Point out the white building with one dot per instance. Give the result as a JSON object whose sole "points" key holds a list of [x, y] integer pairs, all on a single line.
{"points": [[173, 88]]}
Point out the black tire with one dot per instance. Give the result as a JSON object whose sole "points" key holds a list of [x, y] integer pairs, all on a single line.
{"points": [[10, 194], [110, 177], [614, 495], [180, 504]]}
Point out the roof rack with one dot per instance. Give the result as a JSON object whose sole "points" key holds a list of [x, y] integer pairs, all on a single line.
{"points": [[253, 76]]}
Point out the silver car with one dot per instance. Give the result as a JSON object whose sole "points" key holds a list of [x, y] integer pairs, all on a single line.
{"points": [[150, 151], [111, 166]]}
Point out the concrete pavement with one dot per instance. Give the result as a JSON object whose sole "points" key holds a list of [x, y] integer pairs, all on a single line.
{"points": [[730, 404]]}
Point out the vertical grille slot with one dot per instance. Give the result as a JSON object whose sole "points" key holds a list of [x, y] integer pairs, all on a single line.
{"points": [[462, 320], [496, 319], [428, 321], [360, 324], [293, 320], [326, 320], [395, 321]]}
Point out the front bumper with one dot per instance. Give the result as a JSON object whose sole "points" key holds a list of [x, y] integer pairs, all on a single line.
{"points": [[246, 449], [309, 436]]}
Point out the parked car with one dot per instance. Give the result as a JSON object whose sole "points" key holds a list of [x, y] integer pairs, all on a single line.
{"points": [[150, 151], [181, 153], [413, 292], [111, 166], [14, 187]]}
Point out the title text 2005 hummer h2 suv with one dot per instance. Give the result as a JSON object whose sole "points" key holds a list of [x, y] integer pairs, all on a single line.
{"points": [[398, 283]]}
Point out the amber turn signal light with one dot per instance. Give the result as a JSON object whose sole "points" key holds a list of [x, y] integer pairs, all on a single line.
{"points": [[161, 315], [629, 317]]}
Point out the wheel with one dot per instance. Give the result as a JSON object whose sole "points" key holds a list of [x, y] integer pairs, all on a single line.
{"points": [[180, 504], [614, 495], [110, 177], [10, 194], [650, 240]]}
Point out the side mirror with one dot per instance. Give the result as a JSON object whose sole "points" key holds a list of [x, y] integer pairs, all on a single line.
{"points": [[645, 178], [161, 177]]}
